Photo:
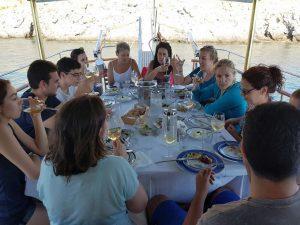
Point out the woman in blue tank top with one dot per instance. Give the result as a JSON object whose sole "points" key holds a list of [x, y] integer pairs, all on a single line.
{"points": [[15, 163]]}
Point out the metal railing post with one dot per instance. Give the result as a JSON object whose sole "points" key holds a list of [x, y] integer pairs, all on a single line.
{"points": [[37, 28], [250, 36]]}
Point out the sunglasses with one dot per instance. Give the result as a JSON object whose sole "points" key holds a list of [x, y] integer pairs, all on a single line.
{"points": [[246, 92]]}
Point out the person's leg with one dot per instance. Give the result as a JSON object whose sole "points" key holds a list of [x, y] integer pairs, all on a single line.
{"points": [[162, 211], [222, 195], [39, 216]]}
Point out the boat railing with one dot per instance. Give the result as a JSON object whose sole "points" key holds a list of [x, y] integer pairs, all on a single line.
{"points": [[194, 63]]}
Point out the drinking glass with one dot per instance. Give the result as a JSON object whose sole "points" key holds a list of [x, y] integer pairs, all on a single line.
{"points": [[36, 108], [156, 102], [115, 124], [218, 121], [169, 125]]}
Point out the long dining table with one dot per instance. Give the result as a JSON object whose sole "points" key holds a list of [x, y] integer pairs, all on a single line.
{"points": [[168, 178]]}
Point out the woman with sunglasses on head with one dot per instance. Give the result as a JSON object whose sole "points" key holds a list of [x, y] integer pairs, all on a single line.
{"points": [[15, 163], [257, 83], [224, 96], [120, 69], [204, 75], [81, 181]]}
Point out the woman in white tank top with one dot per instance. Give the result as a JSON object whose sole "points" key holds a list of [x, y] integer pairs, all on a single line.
{"points": [[120, 69]]}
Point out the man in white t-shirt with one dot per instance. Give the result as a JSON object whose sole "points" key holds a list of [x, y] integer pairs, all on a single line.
{"points": [[69, 77]]}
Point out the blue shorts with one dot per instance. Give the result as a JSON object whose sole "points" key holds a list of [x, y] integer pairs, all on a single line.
{"points": [[170, 213]]}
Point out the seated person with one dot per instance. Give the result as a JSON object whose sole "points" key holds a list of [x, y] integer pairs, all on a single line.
{"points": [[15, 163], [205, 76], [158, 69], [272, 167], [43, 81], [79, 55], [120, 69], [69, 77], [70, 84], [257, 83], [295, 99], [81, 182], [225, 94]]}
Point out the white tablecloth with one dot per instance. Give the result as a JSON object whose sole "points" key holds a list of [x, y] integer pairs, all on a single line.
{"points": [[168, 178]]}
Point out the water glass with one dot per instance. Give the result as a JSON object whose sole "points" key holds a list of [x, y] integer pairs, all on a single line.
{"points": [[169, 125], [156, 102], [218, 121]]}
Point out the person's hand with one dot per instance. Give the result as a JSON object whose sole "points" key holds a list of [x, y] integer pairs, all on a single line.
{"points": [[119, 149], [196, 81], [231, 129], [203, 180], [162, 68], [231, 122], [36, 105]]}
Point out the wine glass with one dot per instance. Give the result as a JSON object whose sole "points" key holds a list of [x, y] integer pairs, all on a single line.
{"points": [[115, 124], [37, 107], [218, 121]]}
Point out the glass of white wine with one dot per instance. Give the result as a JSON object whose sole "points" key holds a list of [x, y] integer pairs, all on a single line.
{"points": [[115, 124], [37, 107], [218, 122]]}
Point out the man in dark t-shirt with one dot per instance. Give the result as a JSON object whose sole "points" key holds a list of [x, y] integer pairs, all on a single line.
{"points": [[43, 80]]}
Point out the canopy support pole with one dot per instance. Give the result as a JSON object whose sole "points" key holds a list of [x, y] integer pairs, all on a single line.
{"points": [[250, 36], [37, 29]]}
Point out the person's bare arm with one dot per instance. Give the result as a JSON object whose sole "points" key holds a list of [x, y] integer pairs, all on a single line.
{"points": [[152, 73], [139, 201], [203, 179], [12, 150], [136, 68], [39, 145]]}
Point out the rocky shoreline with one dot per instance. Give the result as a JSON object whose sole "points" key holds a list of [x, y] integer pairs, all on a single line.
{"points": [[209, 21]]}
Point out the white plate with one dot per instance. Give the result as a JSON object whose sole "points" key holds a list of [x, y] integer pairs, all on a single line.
{"points": [[178, 87], [198, 133], [112, 91], [123, 98]]}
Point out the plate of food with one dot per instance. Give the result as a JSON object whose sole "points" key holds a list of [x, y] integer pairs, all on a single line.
{"points": [[180, 93], [178, 87], [199, 160], [229, 150], [186, 105], [198, 133], [123, 98], [108, 102], [131, 117], [112, 91], [147, 130]]}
